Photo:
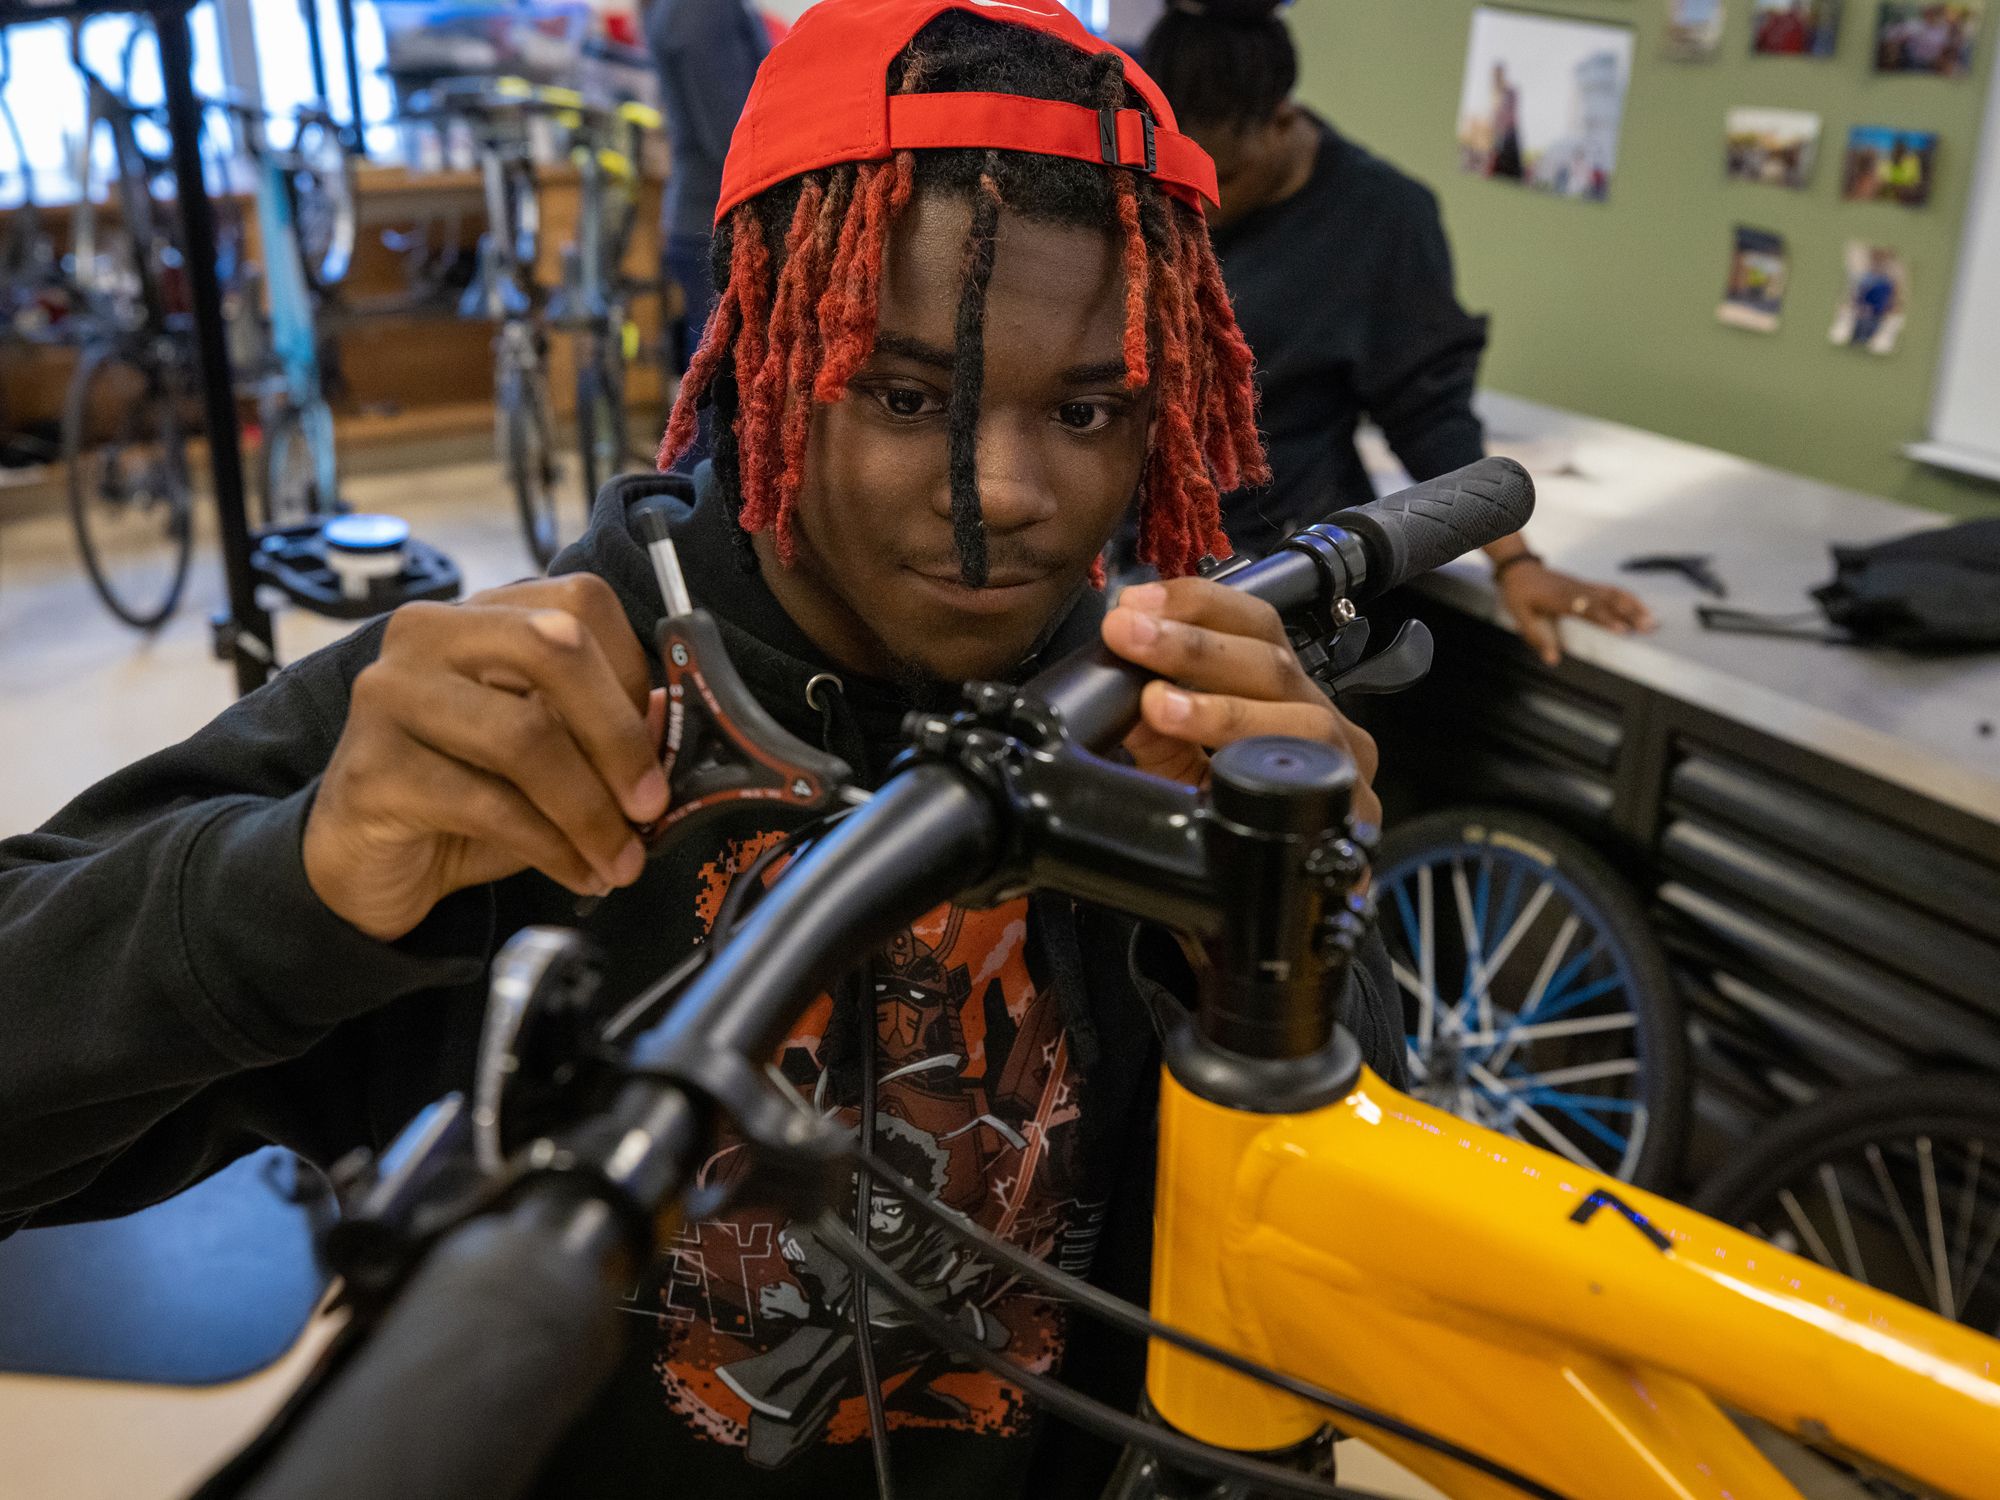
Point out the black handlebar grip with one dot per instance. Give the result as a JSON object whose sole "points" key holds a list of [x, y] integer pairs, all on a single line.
{"points": [[490, 1356], [1409, 533]]}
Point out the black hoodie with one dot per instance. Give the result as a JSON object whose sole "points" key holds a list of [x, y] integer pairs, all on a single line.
{"points": [[175, 995]]}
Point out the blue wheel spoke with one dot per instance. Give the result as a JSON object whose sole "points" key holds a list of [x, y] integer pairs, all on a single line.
{"points": [[1407, 912], [1510, 900], [1579, 997], [1561, 1099], [1481, 902], [1576, 1108], [1570, 972]]}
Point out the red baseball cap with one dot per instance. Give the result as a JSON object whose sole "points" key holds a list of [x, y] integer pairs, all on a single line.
{"points": [[822, 97]]}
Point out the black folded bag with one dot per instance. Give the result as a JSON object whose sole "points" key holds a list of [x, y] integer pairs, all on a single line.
{"points": [[1932, 591]]}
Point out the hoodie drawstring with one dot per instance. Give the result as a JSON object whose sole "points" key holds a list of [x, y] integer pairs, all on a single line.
{"points": [[820, 693]]}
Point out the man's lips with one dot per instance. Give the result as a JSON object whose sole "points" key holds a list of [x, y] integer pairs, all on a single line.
{"points": [[1003, 591]]}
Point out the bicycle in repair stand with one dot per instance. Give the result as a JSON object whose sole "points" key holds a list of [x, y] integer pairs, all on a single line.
{"points": [[1327, 1250]]}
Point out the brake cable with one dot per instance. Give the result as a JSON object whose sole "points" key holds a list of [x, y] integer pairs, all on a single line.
{"points": [[1123, 1315], [1071, 1405], [864, 1333]]}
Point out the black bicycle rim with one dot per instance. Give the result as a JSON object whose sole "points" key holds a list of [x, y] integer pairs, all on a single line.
{"points": [[129, 497]]}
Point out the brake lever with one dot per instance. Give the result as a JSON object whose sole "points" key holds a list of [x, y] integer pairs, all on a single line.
{"points": [[1342, 669], [722, 748], [1400, 665], [1332, 641]]}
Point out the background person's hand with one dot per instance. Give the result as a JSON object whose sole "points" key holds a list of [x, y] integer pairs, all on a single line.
{"points": [[1230, 675], [515, 731], [1536, 596]]}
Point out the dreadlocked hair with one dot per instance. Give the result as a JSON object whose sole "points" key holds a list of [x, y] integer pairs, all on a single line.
{"points": [[1222, 63], [798, 271]]}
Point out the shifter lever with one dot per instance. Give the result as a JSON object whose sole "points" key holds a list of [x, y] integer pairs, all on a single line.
{"points": [[1403, 663], [1349, 646]]}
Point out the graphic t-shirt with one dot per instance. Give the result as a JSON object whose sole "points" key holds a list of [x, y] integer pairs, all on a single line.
{"points": [[978, 1102]]}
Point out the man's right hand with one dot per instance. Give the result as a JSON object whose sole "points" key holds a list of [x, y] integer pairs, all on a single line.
{"points": [[512, 732]]}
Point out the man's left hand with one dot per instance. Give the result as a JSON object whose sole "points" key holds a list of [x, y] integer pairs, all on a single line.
{"points": [[1229, 674], [1536, 596]]}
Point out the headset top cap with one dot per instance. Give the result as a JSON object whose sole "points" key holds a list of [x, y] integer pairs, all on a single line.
{"points": [[822, 98]]}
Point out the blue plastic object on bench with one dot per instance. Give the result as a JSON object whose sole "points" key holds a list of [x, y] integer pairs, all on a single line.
{"points": [[209, 1286]]}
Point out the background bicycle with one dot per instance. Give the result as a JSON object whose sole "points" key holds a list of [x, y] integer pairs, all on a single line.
{"points": [[515, 126], [133, 399]]}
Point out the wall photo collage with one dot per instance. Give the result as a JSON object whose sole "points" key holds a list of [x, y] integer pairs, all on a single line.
{"points": [[1544, 96]]}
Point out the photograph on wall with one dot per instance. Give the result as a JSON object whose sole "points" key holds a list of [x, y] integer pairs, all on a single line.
{"points": [[1755, 296], [1886, 165], [1543, 101], [1872, 313], [1921, 38], [1694, 29], [1794, 28], [1773, 146]]}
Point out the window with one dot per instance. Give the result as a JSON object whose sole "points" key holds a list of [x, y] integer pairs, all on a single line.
{"points": [[284, 66], [46, 97]]}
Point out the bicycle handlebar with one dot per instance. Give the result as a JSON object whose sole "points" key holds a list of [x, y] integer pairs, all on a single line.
{"points": [[479, 1422], [1394, 540]]}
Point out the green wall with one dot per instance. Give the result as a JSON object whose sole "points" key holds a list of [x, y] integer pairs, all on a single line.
{"points": [[1609, 308]]}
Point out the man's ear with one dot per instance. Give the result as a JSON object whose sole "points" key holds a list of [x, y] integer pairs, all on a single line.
{"points": [[1284, 116]]}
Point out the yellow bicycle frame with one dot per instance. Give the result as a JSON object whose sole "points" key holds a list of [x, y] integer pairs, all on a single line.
{"points": [[1574, 1328]]}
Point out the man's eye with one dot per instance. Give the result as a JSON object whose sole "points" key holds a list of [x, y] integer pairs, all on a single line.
{"points": [[1084, 416], [905, 404]]}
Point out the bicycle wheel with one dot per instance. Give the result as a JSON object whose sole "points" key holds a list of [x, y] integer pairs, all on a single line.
{"points": [[1535, 998], [527, 449], [129, 496], [1896, 1184], [600, 419]]}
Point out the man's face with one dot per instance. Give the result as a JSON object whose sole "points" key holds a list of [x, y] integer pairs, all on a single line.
{"points": [[886, 1218], [1060, 448], [1253, 163]]}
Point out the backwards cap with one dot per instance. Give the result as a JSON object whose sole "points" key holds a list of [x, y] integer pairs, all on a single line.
{"points": [[821, 98]]}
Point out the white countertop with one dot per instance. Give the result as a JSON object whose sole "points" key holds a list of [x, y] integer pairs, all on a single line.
{"points": [[1609, 492]]}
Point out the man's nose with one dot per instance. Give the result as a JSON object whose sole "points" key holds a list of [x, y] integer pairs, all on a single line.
{"points": [[1014, 489]]}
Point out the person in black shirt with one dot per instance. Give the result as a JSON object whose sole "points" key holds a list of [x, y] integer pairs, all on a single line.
{"points": [[1342, 280]]}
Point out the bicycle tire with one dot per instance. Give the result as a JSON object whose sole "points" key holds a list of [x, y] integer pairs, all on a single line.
{"points": [[527, 450], [99, 489], [1807, 1155], [600, 425], [1961, 1107], [1550, 993]]}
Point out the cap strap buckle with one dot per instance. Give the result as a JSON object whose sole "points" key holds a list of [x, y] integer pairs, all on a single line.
{"points": [[1107, 141]]}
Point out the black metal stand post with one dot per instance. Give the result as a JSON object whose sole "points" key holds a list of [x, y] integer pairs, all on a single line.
{"points": [[249, 641], [316, 48]]}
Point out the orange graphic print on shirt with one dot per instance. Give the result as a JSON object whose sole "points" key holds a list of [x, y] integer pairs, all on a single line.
{"points": [[977, 1103]]}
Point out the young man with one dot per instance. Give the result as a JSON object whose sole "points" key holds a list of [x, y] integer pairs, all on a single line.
{"points": [[952, 346], [1341, 276]]}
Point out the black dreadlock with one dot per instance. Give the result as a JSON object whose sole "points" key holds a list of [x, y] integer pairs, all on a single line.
{"points": [[1224, 64]]}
